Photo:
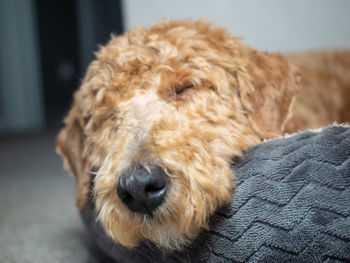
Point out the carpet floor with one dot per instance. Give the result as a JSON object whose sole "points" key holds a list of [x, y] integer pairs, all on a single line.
{"points": [[38, 220]]}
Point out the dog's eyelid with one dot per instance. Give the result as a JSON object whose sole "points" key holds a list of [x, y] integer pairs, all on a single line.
{"points": [[113, 115], [179, 89]]}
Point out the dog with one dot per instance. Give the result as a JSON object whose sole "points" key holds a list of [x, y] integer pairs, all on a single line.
{"points": [[163, 111]]}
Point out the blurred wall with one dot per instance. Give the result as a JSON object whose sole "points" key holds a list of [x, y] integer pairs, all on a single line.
{"points": [[274, 25], [21, 104]]}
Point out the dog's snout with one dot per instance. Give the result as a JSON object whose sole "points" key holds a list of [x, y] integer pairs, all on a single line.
{"points": [[143, 191]]}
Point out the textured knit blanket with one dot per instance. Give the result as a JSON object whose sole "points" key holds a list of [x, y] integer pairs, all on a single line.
{"points": [[291, 204]]}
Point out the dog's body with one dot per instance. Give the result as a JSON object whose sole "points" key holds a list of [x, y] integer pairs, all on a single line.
{"points": [[162, 112], [324, 94]]}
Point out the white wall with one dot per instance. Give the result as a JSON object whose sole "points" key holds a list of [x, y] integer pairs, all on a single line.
{"points": [[275, 25]]}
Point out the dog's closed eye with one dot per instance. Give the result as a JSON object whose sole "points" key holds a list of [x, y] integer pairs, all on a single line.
{"points": [[179, 89]]}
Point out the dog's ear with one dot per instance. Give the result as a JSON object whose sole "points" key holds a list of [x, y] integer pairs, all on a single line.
{"points": [[70, 147], [267, 86]]}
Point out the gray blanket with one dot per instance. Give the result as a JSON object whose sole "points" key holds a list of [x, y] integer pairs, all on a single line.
{"points": [[292, 204]]}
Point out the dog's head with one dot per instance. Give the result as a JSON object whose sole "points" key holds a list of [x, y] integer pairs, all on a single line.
{"points": [[159, 117]]}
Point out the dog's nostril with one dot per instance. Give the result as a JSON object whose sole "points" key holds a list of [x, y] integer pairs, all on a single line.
{"points": [[127, 198], [153, 188], [142, 191]]}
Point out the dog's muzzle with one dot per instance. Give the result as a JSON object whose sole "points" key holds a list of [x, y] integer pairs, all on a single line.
{"points": [[142, 191]]}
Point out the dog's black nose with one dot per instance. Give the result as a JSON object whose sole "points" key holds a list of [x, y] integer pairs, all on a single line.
{"points": [[142, 191]]}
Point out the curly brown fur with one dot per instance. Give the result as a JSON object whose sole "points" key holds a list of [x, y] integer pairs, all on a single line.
{"points": [[185, 96]]}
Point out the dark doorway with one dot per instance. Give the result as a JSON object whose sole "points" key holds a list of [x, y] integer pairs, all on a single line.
{"points": [[69, 32]]}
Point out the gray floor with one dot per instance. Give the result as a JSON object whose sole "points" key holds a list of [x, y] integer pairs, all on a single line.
{"points": [[38, 220]]}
